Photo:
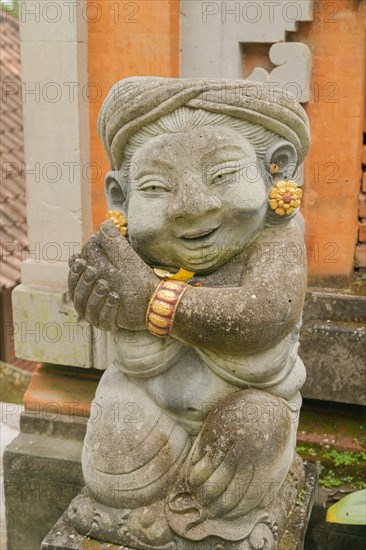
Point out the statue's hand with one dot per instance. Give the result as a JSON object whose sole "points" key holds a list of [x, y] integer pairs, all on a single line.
{"points": [[110, 284], [93, 298]]}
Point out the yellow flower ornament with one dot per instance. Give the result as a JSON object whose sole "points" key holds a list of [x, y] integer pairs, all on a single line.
{"points": [[284, 197], [119, 221]]}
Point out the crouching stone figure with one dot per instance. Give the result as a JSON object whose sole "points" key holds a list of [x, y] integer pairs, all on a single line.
{"points": [[199, 278]]}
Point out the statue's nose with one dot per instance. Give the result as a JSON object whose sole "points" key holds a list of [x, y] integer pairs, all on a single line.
{"points": [[194, 201]]}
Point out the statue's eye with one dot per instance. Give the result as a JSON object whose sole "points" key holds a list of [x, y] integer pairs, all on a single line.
{"points": [[224, 177], [154, 188]]}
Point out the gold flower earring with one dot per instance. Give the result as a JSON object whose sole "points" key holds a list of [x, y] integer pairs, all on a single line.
{"points": [[285, 196], [119, 220]]}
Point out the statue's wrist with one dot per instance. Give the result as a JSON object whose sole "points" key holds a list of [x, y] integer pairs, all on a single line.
{"points": [[163, 306]]}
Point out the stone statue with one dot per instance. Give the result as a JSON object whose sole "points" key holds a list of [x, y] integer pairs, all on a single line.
{"points": [[199, 278]]}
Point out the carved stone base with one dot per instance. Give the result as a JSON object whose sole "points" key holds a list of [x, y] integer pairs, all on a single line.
{"points": [[64, 537]]}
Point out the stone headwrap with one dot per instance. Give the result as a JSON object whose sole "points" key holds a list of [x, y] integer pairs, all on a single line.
{"points": [[136, 101]]}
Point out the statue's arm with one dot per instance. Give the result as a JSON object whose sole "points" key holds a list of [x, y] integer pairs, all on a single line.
{"points": [[260, 312], [248, 318]]}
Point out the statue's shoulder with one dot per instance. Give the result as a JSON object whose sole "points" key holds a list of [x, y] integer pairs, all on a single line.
{"points": [[276, 249], [273, 237]]}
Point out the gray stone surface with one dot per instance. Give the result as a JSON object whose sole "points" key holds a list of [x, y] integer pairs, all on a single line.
{"points": [[333, 347], [48, 327], [42, 475], [59, 426], [285, 57], [294, 536], [9, 429], [334, 307], [214, 36], [195, 433], [64, 537], [58, 187]]}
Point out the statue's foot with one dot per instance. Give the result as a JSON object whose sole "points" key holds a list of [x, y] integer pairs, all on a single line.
{"points": [[255, 530], [144, 528], [261, 528], [147, 528], [81, 513]]}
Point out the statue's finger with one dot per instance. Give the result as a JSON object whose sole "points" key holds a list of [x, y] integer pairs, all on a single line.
{"points": [[218, 482], [197, 451], [112, 275], [76, 270], [96, 302], [73, 258], [84, 288], [114, 245], [239, 492], [92, 250], [202, 470], [108, 315]]}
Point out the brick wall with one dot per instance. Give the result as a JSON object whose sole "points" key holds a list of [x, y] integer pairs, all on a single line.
{"points": [[360, 251]]}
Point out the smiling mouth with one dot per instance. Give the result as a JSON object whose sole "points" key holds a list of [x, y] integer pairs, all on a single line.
{"points": [[195, 238]]}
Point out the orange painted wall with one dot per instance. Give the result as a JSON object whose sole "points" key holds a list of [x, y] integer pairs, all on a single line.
{"points": [[333, 169], [126, 38]]}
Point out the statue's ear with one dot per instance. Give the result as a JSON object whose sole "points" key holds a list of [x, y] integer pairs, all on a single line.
{"points": [[115, 192], [281, 160]]}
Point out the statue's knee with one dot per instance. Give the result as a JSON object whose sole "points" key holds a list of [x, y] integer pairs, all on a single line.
{"points": [[134, 474], [258, 408], [253, 422]]}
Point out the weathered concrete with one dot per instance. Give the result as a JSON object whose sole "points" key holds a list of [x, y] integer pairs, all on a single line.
{"points": [[214, 36], [42, 475], [333, 347], [47, 327], [58, 426], [333, 306], [56, 139], [9, 429], [294, 535]]}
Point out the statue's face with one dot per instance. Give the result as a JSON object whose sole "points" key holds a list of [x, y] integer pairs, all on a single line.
{"points": [[195, 199]]}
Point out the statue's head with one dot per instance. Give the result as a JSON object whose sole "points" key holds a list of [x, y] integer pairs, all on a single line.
{"points": [[191, 164]]}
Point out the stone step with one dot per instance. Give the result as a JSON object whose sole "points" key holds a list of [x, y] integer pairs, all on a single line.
{"points": [[333, 347]]}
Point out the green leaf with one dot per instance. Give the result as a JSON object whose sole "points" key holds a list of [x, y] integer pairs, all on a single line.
{"points": [[350, 510]]}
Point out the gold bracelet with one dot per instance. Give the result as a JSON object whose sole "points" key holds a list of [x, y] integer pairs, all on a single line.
{"points": [[163, 306]]}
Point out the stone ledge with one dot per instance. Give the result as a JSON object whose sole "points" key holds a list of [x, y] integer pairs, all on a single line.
{"points": [[47, 328], [327, 304], [41, 476], [333, 338]]}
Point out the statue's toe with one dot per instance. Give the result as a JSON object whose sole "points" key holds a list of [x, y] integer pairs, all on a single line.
{"points": [[142, 528], [150, 525], [81, 513]]}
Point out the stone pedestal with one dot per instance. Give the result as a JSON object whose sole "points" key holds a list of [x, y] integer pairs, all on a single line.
{"points": [[42, 465], [64, 537]]}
